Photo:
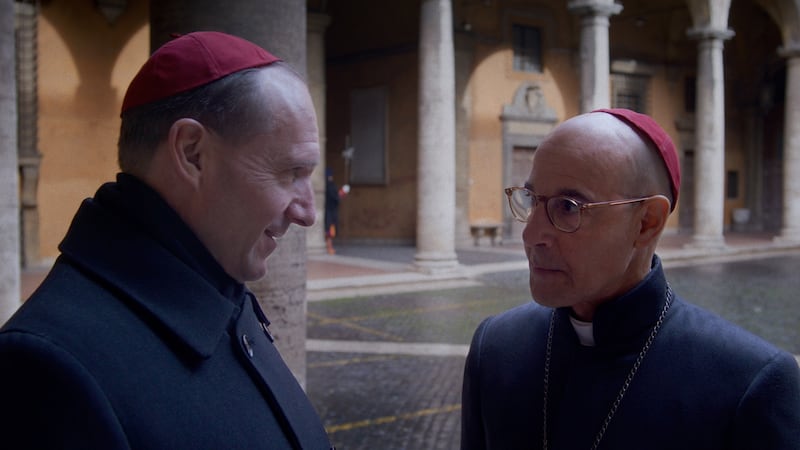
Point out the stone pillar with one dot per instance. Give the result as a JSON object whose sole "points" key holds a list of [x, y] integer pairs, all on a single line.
{"points": [[315, 57], [464, 45], [28, 131], [9, 187], [436, 161], [709, 169], [280, 27], [790, 231], [594, 54]]}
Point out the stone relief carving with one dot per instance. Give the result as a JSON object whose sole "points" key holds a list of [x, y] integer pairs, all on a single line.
{"points": [[530, 105]]}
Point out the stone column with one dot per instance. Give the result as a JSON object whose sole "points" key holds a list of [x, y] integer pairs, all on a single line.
{"points": [[28, 131], [791, 147], [315, 58], [594, 54], [280, 27], [709, 169], [436, 161], [464, 45], [9, 187]]}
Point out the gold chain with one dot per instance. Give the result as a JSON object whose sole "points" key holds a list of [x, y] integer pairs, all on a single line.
{"points": [[625, 384]]}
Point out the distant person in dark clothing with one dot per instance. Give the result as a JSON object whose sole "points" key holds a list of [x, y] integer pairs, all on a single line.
{"points": [[607, 356], [144, 335], [333, 194]]}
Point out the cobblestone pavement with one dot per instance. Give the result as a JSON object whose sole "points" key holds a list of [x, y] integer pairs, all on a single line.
{"points": [[384, 371]]}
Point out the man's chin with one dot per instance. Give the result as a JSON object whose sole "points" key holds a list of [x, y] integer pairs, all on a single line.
{"points": [[255, 274], [545, 303], [546, 298], [254, 269]]}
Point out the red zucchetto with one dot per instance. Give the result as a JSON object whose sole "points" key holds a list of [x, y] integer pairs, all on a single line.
{"points": [[663, 143], [190, 61]]}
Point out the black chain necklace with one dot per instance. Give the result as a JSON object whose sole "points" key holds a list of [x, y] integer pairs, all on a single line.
{"points": [[625, 385]]}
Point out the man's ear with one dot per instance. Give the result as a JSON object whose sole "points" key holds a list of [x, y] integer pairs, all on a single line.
{"points": [[186, 142], [653, 219]]}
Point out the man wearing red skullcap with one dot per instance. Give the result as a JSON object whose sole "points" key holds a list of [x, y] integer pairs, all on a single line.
{"points": [[608, 356], [144, 335]]}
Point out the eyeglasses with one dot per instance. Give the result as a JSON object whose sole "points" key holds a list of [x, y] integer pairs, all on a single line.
{"points": [[563, 212]]}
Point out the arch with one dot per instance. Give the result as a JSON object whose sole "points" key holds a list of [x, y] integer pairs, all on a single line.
{"points": [[77, 24], [709, 14], [786, 14], [78, 113]]}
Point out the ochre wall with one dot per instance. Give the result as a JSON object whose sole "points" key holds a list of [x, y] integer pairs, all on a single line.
{"points": [[489, 93], [85, 65], [377, 212], [371, 44], [666, 90]]}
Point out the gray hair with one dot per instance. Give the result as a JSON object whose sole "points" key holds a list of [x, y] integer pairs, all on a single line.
{"points": [[227, 106]]}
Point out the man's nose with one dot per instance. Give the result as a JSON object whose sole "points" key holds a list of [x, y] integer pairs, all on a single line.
{"points": [[302, 211], [538, 226]]}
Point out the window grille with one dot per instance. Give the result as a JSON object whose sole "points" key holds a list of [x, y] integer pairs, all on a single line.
{"points": [[527, 43], [629, 91]]}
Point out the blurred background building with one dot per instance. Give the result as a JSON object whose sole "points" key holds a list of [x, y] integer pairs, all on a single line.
{"points": [[428, 108]]}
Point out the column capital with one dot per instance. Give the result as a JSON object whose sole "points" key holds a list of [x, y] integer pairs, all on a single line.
{"points": [[790, 51], [710, 33], [604, 8]]}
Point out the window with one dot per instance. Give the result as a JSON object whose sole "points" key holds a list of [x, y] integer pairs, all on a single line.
{"points": [[527, 43], [368, 130], [629, 91], [689, 94], [732, 184]]}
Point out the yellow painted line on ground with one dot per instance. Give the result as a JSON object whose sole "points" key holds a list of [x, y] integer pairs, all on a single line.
{"points": [[347, 324], [344, 362], [386, 348], [389, 419], [406, 312]]}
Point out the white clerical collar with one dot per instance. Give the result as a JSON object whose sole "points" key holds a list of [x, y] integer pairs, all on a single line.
{"points": [[584, 330]]}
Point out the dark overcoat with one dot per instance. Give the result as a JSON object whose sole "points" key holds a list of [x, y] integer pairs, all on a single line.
{"points": [[138, 340], [704, 383]]}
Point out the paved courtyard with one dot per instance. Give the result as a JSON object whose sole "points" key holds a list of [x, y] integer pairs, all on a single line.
{"points": [[384, 371]]}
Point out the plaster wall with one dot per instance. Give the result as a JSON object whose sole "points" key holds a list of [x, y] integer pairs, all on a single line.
{"points": [[377, 211], [489, 93], [85, 66], [666, 88]]}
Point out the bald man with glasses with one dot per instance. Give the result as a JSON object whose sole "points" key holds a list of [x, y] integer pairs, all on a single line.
{"points": [[607, 356]]}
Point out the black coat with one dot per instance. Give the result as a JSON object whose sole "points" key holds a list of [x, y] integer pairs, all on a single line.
{"points": [[138, 340], [704, 384]]}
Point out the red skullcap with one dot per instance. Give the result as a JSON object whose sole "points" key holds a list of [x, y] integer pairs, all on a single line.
{"points": [[190, 61], [666, 149]]}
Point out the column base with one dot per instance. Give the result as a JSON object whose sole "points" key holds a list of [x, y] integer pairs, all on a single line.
{"points": [[316, 250], [707, 242], [788, 236], [435, 263]]}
